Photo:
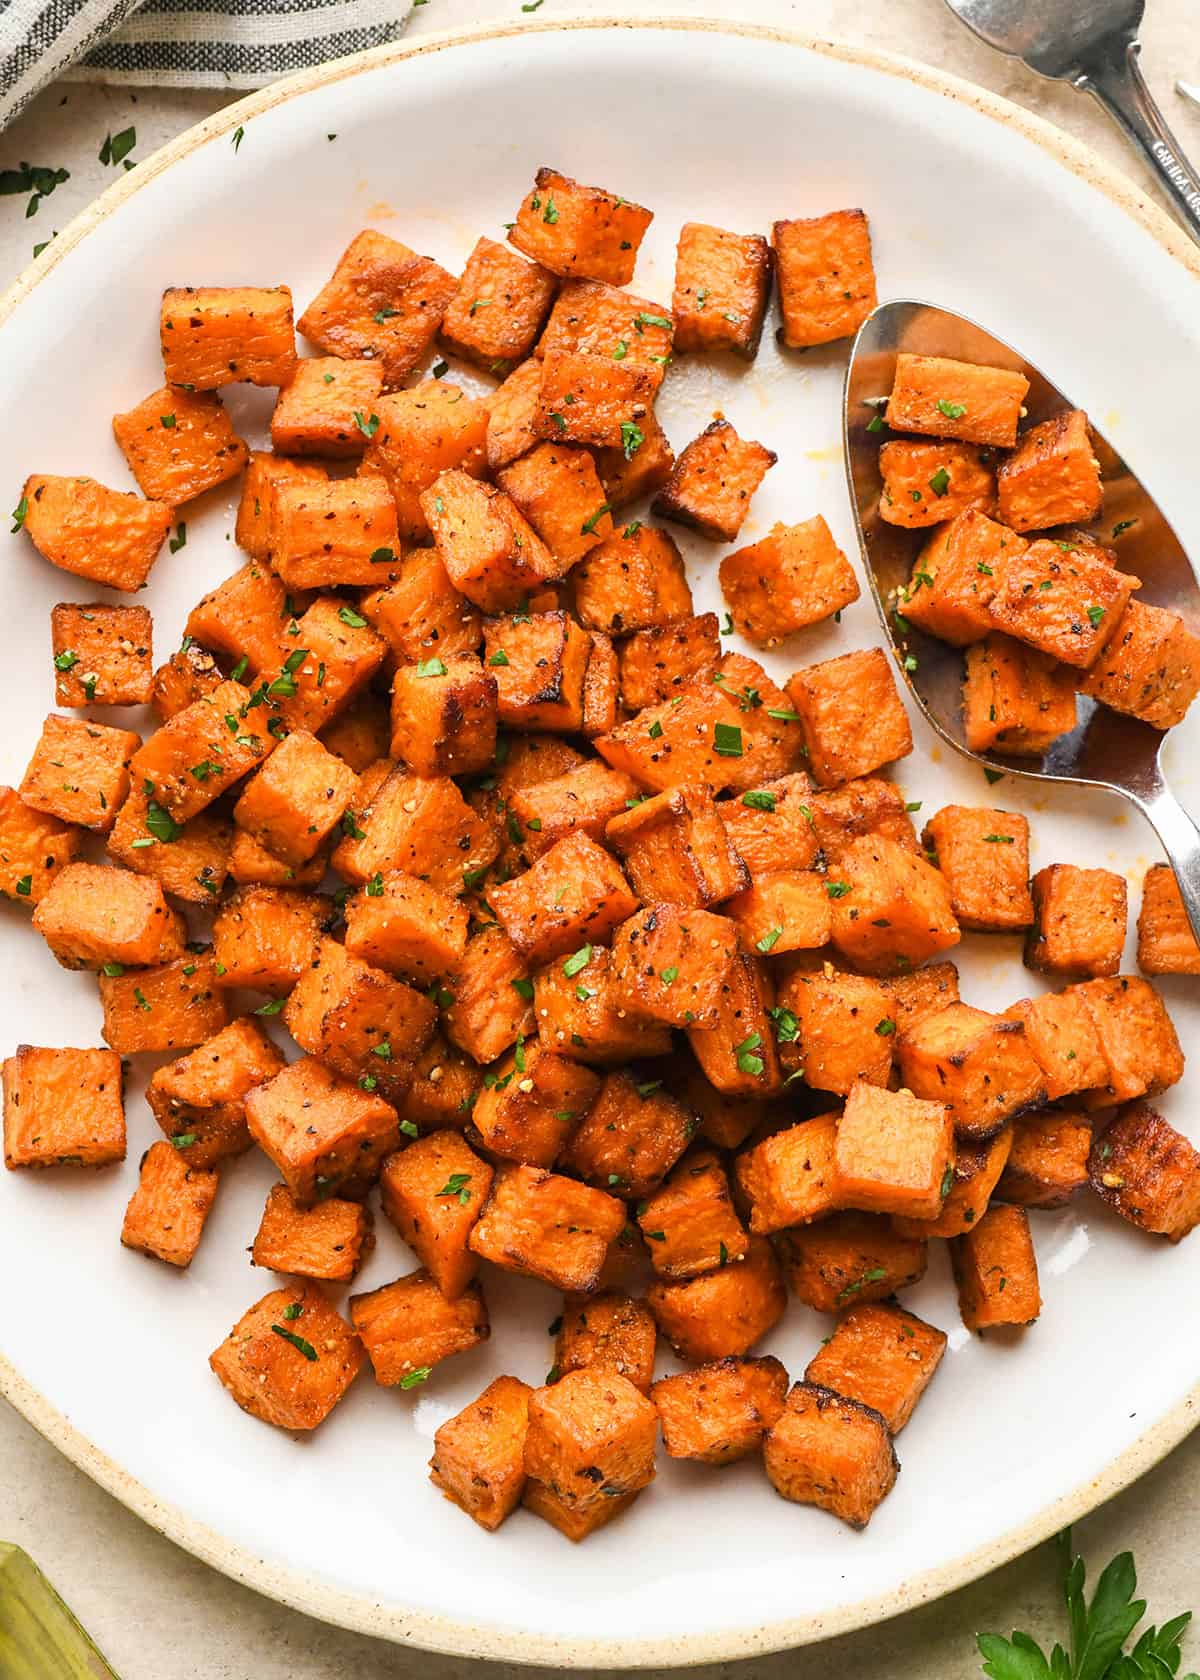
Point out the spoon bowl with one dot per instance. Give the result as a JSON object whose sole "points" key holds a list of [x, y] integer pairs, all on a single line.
{"points": [[1105, 749]]}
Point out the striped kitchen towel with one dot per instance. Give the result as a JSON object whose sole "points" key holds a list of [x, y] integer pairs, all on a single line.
{"points": [[180, 43]]}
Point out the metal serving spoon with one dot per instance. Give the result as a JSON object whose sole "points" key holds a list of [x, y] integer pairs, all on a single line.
{"points": [[1105, 749], [1093, 45]]}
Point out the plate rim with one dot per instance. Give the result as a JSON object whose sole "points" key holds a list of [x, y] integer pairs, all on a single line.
{"points": [[423, 1630]]}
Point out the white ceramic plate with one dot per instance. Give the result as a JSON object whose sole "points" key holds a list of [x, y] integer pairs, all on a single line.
{"points": [[107, 1351]]}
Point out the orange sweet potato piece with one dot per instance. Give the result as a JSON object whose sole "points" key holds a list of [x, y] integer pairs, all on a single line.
{"points": [[63, 1108], [334, 534], [491, 553], [193, 867], [422, 433], [107, 536], [199, 1099], [977, 1170], [539, 662], [166, 1213], [91, 916], [1052, 477], [433, 1192], [187, 675], [328, 1241], [1147, 1172], [928, 483], [1062, 599], [172, 1007], [267, 937], [382, 301], [656, 663], [581, 1013], [591, 1438], [341, 655], [585, 396], [179, 443], [542, 1225], [978, 1064], [221, 335], [491, 995], [494, 317], [851, 715], [882, 1357], [826, 277], [796, 576], [1015, 699], [995, 1269], [1137, 1037], [102, 654], [421, 615], [1166, 943], [721, 1313], [530, 1104], [366, 1025], [289, 1359], [722, 288], [633, 580], [199, 737], [1048, 1161], [252, 865], [34, 849], [603, 322], [558, 490], [421, 825], [407, 927], [1079, 921], [890, 909], [1149, 668], [264, 475], [669, 963], [608, 1332], [444, 1089], [574, 894], [712, 482], [984, 856], [939, 397], [243, 618], [850, 1257], [79, 771], [923, 992], [738, 1054], [630, 474], [296, 801], [314, 414], [788, 910], [582, 801], [676, 848], [957, 574], [479, 1455], [511, 412], [690, 1224], [773, 827], [409, 1326], [894, 1153], [832, 1452], [788, 1178], [833, 1029], [324, 1136], [579, 232], [361, 734], [1062, 1038], [721, 1411]]}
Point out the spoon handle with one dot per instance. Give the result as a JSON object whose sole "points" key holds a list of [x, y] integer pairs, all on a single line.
{"points": [[1181, 842], [1112, 76]]}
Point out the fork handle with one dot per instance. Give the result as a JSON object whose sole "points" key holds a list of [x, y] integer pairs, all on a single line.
{"points": [[1115, 79], [1181, 842]]}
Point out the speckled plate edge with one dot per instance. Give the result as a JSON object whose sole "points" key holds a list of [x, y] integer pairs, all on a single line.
{"points": [[463, 1638]]}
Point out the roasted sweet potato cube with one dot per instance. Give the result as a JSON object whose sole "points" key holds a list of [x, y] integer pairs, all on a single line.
{"points": [[591, 1437], [407, 927], [712, 482], [531, 1103], [832, 1452], [495, 316], [631, 1136], [1062, 1038], [939, 397], [1166, 943], [1062, 599], [633, 580], [79, 771], [199, 1099], [826, 277], [223, 335], [882, 1357], [587, 397], [107, 536], [834, 1029], [1137, 1038], [797, 575], [850, 1257], [627, 475], [243, 618], [200, 738], [419, 824], [267, 937], [63, 1108], [193, 867], [185, 677], [1052, 477], [290, 1358], [773, 828], [492, 997], [995, 1269], [851, 715], [923, 992], [539, 661], [1149, 668], [607, 1332], [614, 325], [179, 443], [894, 1153], [582, 801], [670, 963], [491, 553], [102, 654], [890, 910], [91, 916], [325, 1137], [444, 1088], [543, 1225], [342, 654], [1079, 921], [328, 1241], [558, 490], [721, 1313], [722, 288], [334, 534], [767, 728], [444, 716], [252, 865], [366, 1025], [677, 850], [574, 894], [1015, 699], [421, 433], [978, 1064], [690, 1223], [1048, 1160], [1147, 1172], [574, 1522], [578, 232], [433, 1192], [479, 1455], [34, 849], [656, 663], [581, 1013], [361, 734], [315, 411], [296, 801], [738, 1054], [864, 805], [957, 574], [721, 1411], [928, 483], [421, 615], [166, 1213], [788, 1178], [788, 910], [686, 741], [264, 474], [983, 854], [977, 1170], [382, 301], [510, 415], [172, 1007]]}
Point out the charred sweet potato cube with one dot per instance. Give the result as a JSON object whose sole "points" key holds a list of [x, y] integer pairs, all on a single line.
{"points": [[366, 1025], [186, 676], [444, 716], [1166, 943], [223, 335], [957, 574], [1062, 1038], [797, 575], [738, 1054], [690, 1223], [1149, 668], [1079, 921], [328, 1241], [630, 1137], [928, 483], [314, 414], [826, 277], [173, 1007], [582, 801], [572, 895], [831, 1451], [722, 288], [531, 1103], [591, 1438], [923, 992], [421, 825], [882, 1357], [102, 654], [166, 1213], [495, 316], [889, 909], [587, 397], [721, 1313], [421, 615], [179, 443], [579, 232], [444, 1087], [939, 397], [978, 1064], [243, 618], [851, 715], [405, 926], [656, 663], [633, 580], [200, 738], [193, 867], [511, 412], [267, 937], [894, 1153], [1015, 699], [543, 1225], [333, 534], [995, 1269], [1052, 477], [1137, 1038], [581, 1013], [295, 802], [608, 1332], [199, 1099], [773, 828], [34, 849], [422, 433], [433, 1192], [788, 1178], [833, 1028], [721, 1411], [977, 1170], [63, 1108], [341, 655], [669, 963], [264, 475], [382, 301], [850, 1257], [479, 1455], [79, 771], [713, 480], [491, 553], [983, 855], [539, 661], [788, 910], [1048, 1160], [107, 536], [91, 916], [492, 994], [290, 1358], [558, 490], [677, 850], [1147, 1172], [1062, 599], [325, 1137]]}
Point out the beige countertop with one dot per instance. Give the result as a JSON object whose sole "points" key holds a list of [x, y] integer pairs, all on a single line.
{"points": [[156, 1612]]}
